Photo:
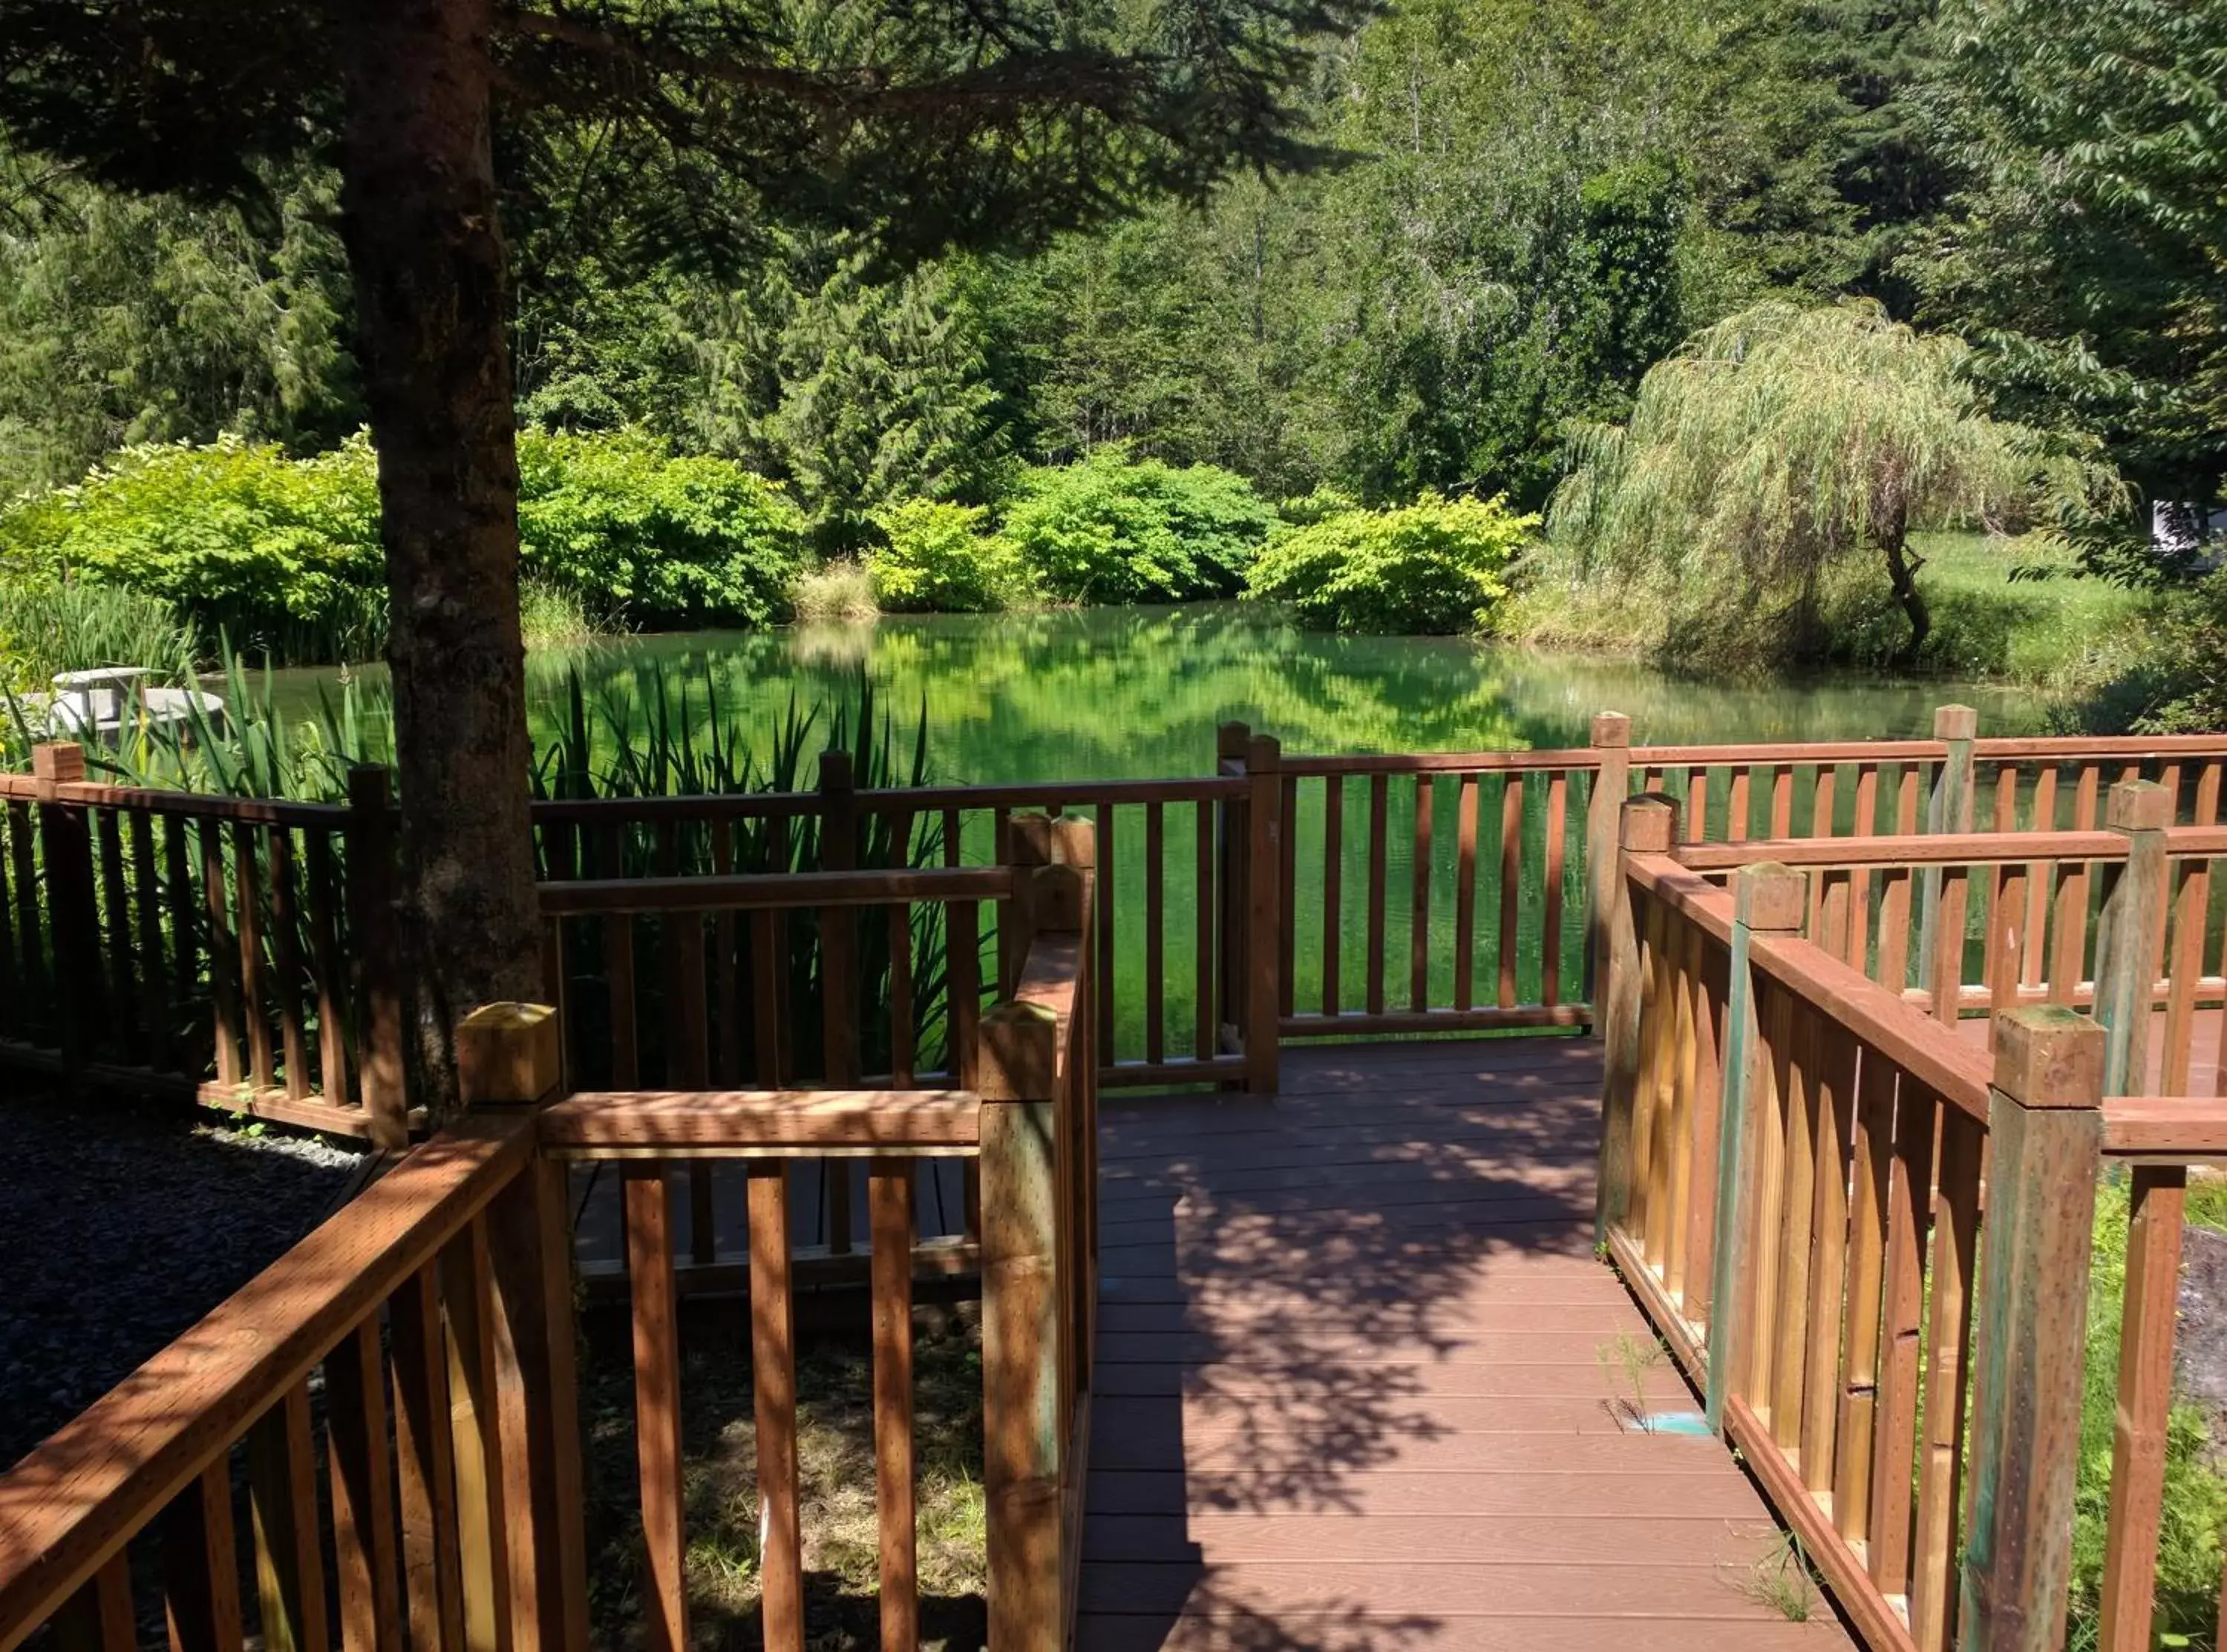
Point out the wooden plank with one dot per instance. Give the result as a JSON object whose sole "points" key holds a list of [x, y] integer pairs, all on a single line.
{"points": [[1945, 969], [1374, 938], [1709, 987], [1156, 917], [1803, 1097], [648, 1218], [1738, 812], [889, 1204], [200, 1577], [2037, 878], [224, 951], [475, 1440], [1511, 884], [365, 1520], [1419, 912], [1871, 1154], [1751, 1375], [282, 1499], [1288, 891], [1697, 804], [773, 1381], [1333, 880], [1106, 889], [1822, 1381]]}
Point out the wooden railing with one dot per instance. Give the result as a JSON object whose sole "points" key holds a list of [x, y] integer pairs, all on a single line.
{"points": [[243, 953], [1867, 1237], [422, 1341]]}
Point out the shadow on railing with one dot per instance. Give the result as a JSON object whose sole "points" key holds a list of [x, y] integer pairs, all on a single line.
{"points": [[427, 1333]]}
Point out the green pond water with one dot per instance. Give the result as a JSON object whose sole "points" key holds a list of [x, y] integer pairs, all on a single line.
{"points": [[1127, 693], [1113, 693]]}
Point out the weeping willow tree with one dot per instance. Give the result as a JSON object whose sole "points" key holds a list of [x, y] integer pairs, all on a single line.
{"points": [[1787, 439]]}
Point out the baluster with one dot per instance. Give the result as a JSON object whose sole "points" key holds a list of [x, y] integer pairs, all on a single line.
{"points": [[1511, 884], [1550, 949], [1465, 812], [1419, 917], [1373, 939]]}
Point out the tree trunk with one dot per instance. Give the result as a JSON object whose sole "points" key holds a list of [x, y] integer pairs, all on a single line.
{"points": [[426, 249], [1902, 573]]}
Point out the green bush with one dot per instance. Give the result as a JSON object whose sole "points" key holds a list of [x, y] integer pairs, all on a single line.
{"points": [[941, 557], [1113, 529], [284, 556], [1432, 566], [236, 537], [669, 541]]}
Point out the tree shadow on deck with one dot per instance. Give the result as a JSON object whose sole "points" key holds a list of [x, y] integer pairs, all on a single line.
{"points": [[1296, 1293]]}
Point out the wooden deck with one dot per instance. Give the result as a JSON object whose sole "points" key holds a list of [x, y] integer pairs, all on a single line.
{"points": [[1350, 1389]]}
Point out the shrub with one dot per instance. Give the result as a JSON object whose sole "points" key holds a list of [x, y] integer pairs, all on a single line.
{"points": [[1113, 529], [671, 541], [840, 589], [1432, 566], [236, 537], [940, 558]]}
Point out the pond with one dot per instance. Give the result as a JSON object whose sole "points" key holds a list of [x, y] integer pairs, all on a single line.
{"points": [[1116, 693]]}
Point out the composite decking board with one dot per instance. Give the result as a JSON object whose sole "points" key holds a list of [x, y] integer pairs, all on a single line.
{"points": [[1350, 1392]]}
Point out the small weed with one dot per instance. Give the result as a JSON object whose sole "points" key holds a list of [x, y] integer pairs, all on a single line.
{"points": [[1780, 1580], [1625, 1361]]}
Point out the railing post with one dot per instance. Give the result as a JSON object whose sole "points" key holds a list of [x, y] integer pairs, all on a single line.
{"points": [[1767, 899], [66, 844], [1021, 1426], [372, 893], [1612, 740], [1649, 827], [1949, 809], [1233, 842], [1264, 917], [2046, 1129], [508, 1062], [2130, 933], [2130, 940]]}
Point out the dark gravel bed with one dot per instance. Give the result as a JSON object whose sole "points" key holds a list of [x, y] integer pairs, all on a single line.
{"points": [[120, 1225]]}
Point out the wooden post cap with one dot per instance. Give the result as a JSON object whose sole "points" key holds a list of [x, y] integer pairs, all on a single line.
{"points": [[1230, 739], [1611, 729], [507, 1054], [1027, 839], [2049, 1055], [1955, 722], [2139, 805], [1770, 895], [61, 762], [1650, 824], [1074, 841], [835, 771], [1264, 754]]}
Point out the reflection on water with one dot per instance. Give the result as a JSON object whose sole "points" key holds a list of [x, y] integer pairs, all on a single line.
{"points": [[1116, 692]]}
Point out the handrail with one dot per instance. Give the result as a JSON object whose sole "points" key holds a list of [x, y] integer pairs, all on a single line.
{"points": [[86, 1491], [156, 800], [663, 1123], [892, 800], [2170, 1128], [1943, 849], [772, 891]]}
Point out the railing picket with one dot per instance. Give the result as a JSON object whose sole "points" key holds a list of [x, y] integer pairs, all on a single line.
{"points": [[425, 1477], [123, 989], [154, 975], [905, 1037], [1206, 1029], [1945, 968], [1155, 1047], [1766, 1249], [2156, 1200], [1709, 985], [1737, 807], [475, 1442], [1105, 889], [1941, 1464], [247, 874], [1373, 939], [286, 965], [2034, 967], [727, 973], [1697, 804], [1333, 883], [1511, 885], [1287, 855], [889, 1204], [1902, 1311], [1419, 915], [1781, 800], [224, 954], [1465, 892], [200, 1576], [281, 1493], [647, 1200], [325, 962], [100, 1617], [1550, 943], [368, 1568], [1822, 1383], [1802, 1099], [1871, 1149], [773, 1382], [30, 934]]}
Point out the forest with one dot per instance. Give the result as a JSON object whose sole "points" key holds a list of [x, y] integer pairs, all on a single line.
{"points": [[1506, 215]]}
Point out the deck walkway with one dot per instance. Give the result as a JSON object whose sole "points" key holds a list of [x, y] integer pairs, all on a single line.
{"points": [[1350, 1395]]}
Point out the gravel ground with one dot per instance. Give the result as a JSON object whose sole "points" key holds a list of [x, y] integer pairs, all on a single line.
{"points": [[121, 1225]]}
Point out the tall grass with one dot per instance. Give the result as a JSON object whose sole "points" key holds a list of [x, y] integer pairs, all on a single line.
{"points": [[51, 626]]}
